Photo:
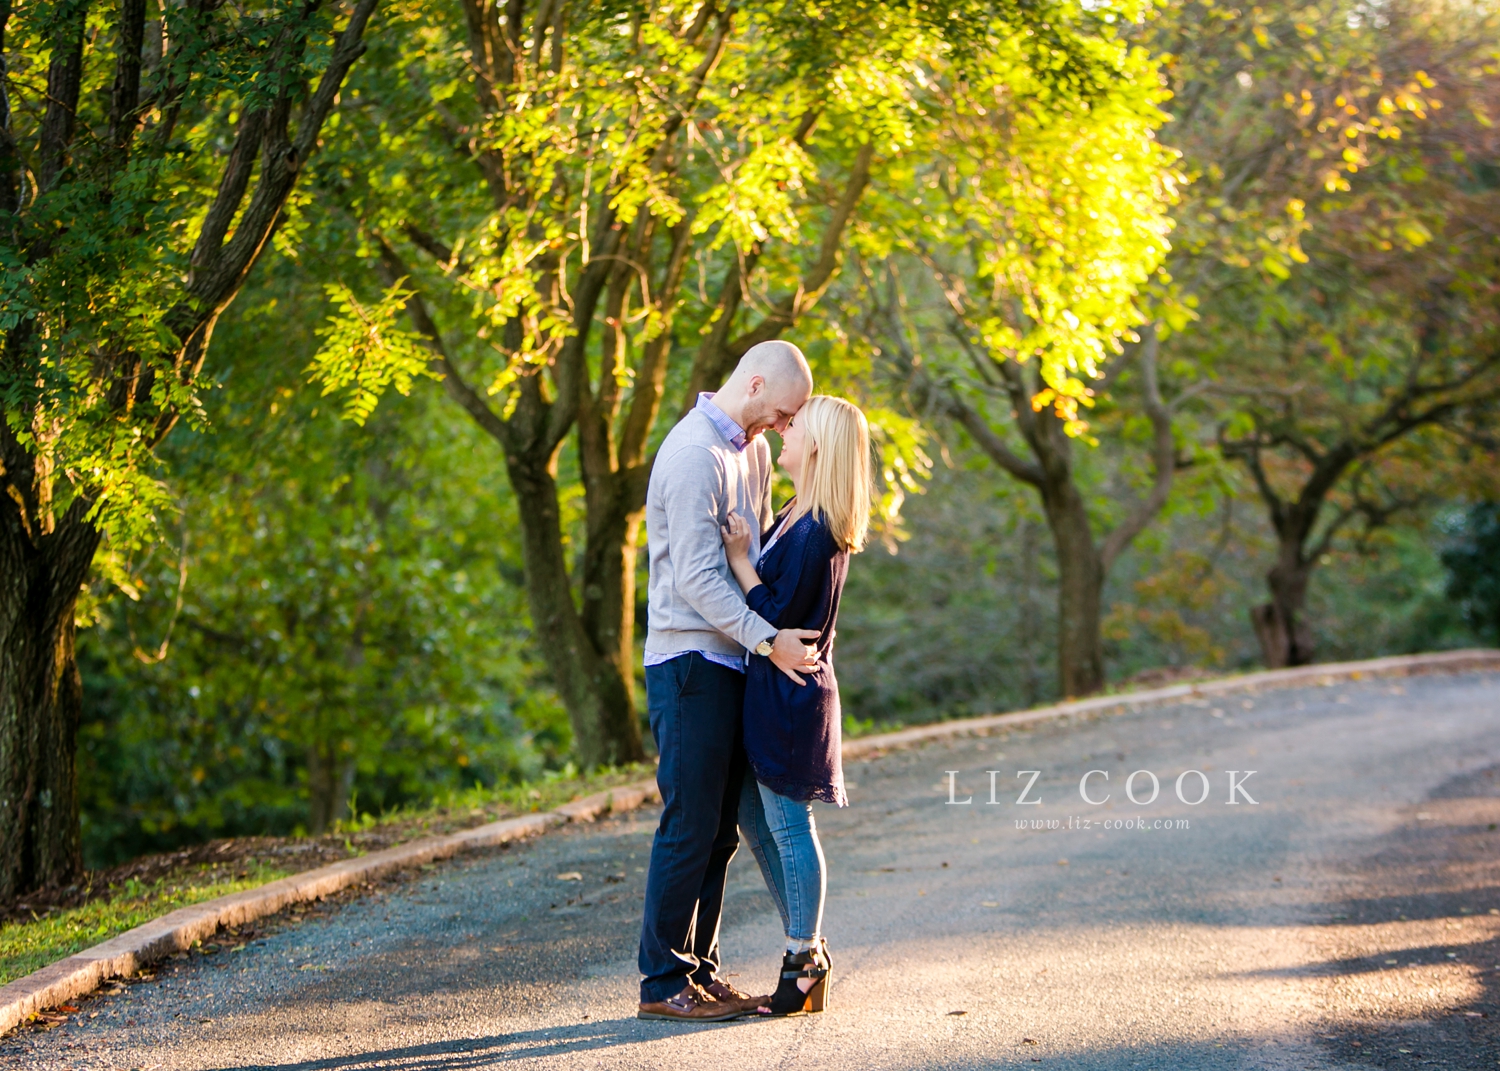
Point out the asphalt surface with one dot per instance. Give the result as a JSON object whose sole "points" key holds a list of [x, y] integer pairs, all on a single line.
{"points": [[1349, 917]]}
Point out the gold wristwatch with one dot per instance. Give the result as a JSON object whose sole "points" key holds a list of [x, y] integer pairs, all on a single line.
{"points": [[764, 648]]}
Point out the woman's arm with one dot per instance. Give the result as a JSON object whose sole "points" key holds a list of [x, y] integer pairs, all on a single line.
{"points": [[803, 582], [736, 536]]}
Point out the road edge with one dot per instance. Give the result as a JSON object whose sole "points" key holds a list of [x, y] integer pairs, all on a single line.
{"points": [[1474, 658], [128, 952]]}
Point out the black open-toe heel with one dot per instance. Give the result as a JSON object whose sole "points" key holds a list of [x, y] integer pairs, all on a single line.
{"points": [[789, 998]]}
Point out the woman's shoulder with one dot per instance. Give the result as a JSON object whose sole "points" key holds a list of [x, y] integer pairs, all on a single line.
{"points": [[818, 535]]}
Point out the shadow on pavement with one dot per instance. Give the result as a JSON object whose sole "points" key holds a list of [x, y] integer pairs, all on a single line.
{"points": [[464, 1053], [473, 1053], [1441, 868]]}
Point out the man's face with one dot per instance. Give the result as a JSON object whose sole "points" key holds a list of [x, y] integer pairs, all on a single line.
{"points": [[768, 409]]}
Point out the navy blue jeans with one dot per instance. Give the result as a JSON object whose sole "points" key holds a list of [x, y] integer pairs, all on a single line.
{"points": [[696, 709]]}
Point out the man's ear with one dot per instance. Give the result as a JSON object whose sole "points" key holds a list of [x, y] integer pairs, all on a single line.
{"points": [[756, 385]]}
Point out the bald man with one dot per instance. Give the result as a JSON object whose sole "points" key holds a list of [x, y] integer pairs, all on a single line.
{"points": [[713, 463]]}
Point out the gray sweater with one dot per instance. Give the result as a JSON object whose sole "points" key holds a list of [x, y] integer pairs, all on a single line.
{"points": [[694, 602]]}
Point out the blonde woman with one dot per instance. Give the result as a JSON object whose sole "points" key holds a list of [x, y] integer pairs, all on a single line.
{"points": [[791, 723]]}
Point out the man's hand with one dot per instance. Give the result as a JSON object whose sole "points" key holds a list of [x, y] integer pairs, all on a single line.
{"points": [[791, 654]]}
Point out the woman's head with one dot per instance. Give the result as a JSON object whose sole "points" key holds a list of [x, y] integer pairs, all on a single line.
{"points": [[826, 447]]}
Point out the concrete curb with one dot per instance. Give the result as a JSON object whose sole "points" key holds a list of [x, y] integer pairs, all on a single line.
{"points": [[1396, 666], [134, 949]]}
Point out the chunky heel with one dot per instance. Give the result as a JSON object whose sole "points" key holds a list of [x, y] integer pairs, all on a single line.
{"points": [[817, 996]]}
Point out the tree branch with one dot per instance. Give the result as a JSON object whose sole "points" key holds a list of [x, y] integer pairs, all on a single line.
{"points": [[1164, 455], [125, 97], [392, 269], [1248, 451], [64, 80], [716, 358], [281, 162], [992, 444]]}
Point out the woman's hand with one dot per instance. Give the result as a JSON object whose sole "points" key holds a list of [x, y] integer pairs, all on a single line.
{"points": [[736, 536]]}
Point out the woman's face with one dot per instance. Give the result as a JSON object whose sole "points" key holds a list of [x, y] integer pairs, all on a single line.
{"points": [[793, 443]]}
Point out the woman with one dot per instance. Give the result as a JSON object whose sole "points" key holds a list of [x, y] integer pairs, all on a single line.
{"points": [[792, 722]]}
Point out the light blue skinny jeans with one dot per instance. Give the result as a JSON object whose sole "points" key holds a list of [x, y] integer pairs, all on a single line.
{"points": [[784, 841]]}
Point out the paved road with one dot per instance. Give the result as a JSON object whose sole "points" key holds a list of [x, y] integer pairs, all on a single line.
{"points": [[1350, 917]]}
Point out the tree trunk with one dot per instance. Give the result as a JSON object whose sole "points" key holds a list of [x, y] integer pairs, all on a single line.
{"points": [[41, 700], [592, 676], [609, 565], [1285, 638], [1080, 584], [330, 779], [591, 684]]}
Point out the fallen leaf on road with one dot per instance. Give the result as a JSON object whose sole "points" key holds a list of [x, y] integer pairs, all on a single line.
{"points": [[1030, 1041], [989, 903], [959, 1012], [571, 875]]}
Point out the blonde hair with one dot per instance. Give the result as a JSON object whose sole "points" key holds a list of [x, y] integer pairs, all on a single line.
{"points": [[836, 468]]}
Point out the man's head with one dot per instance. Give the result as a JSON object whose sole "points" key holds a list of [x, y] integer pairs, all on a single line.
{"points": [[768, 386]]}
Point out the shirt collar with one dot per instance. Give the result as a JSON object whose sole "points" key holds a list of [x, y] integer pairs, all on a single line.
{"points": [[721, 420]]}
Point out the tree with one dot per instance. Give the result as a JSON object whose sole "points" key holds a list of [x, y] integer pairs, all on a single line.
{"points": [[146, 156], [1040, 226], [1342, 234], [1084, 559], [635, 199]]}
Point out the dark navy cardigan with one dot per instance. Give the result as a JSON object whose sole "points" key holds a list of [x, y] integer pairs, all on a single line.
{"points": [[792, 733]]}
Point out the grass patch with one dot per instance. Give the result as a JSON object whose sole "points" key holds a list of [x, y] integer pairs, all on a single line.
{"points": [[34, 934], [30, 945]]}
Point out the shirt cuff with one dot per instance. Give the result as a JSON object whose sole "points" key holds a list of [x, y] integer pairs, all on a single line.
{"points": [[758, 638]]}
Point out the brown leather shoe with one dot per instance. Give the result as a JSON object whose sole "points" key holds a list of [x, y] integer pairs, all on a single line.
{"points": [[692, 1004], [727, 993]]}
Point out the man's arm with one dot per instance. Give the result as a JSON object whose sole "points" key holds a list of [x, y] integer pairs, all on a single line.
{"points": [[695, 504]]}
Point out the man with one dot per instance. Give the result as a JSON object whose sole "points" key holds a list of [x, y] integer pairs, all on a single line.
{"points": [[712, 463]]}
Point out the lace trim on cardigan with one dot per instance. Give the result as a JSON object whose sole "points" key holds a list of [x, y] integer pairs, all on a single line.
{"points": [[803, 791]]}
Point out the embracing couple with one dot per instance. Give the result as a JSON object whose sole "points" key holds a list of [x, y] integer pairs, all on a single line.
{"points": [[739, 674]]}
